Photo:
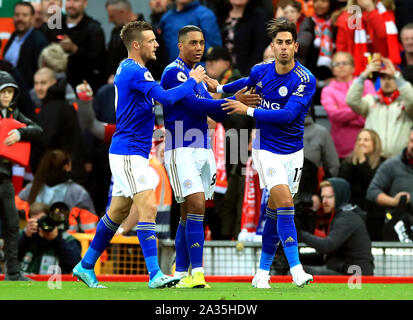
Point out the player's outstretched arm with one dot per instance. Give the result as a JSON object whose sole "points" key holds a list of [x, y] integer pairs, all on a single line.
{"points": [[203, 107], [234, 106], [212, 107], [296, 104], [286, 115], [249, 99], [214, 86], [173, 95]]}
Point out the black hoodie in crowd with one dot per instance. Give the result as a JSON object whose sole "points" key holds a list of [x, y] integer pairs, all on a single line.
{"points": [[58, 118], [348, 242], [89, 62], [30, 132]]}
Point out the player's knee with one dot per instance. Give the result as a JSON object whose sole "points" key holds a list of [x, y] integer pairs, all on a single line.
{"points": [[152, 210], [280, 197], [118, 215], [149, 210], [123, 214], [285, 203], [197, 207]]}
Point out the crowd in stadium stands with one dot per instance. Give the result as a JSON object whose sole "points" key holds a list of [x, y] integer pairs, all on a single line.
{"points": [[360, 51]]}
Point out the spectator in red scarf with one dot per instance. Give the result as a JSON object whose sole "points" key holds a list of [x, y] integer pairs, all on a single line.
{"points": [[316, 36], [375, 32], [390, 112], [316, 44]]}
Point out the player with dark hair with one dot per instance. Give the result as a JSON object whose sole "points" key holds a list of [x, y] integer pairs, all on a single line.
{"points": [[129, 152], [286, 89], [189, 159]]}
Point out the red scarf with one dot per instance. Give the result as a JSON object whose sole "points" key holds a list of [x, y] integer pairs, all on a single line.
{"points": [[323, 32], [360, 48], [360, 40], [219, 153], [393, 44], [387, 100], [252, 199]]}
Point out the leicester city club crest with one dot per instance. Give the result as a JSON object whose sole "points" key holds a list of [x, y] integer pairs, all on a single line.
{"points": [[270, 172], [142, 179], [187, 184], [283, 91]]}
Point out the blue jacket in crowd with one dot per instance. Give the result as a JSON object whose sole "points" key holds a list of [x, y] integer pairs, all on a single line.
{"points": [[193, 14]]}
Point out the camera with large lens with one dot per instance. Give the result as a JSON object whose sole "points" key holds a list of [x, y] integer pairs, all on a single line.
{"points": [[59, 212], [304, 214], [46, 223], [57, 216]]}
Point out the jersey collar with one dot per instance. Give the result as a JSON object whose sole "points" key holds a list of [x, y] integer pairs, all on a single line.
{"points": [[285, 74], [182, 63]]}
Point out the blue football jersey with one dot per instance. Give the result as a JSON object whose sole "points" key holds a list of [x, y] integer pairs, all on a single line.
{"points": [[135, 116], [184, 128], [296, 87]]}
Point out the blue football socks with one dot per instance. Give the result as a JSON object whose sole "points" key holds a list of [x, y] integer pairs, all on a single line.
{"points": [[270, 240], [288, 234], [147, 239], [195, 238], [105, 231], [182, 253]]}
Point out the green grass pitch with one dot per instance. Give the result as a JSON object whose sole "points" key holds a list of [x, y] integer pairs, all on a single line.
{"points": [[218, 291]]}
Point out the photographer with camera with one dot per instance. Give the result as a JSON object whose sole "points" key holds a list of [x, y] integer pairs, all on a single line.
{"points": [[392, 188], [347, 242], [44, 242]]}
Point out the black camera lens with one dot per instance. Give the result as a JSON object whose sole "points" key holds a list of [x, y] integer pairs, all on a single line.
{"points": [[59, 212], [46, 223]]}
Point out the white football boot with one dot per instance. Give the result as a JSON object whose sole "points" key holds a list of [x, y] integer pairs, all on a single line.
{"points": [[261, 281], [300, 277]]}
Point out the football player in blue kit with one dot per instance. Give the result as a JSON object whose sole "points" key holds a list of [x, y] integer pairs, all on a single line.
{"points": [[286, 88], [189, 159], [135, 92]]}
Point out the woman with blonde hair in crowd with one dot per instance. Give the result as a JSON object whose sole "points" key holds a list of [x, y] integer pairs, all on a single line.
{"points": [[55, 58], [359, 169]]}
